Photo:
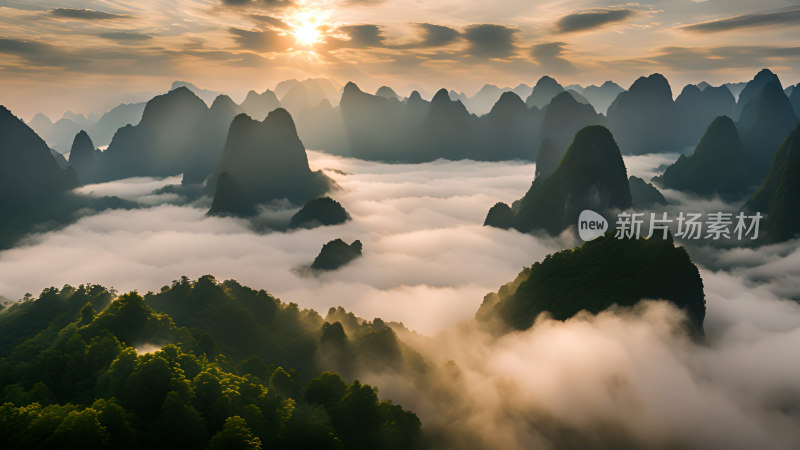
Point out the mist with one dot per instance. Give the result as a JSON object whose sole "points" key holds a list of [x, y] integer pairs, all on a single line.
{"points": [[626, 378], [427, 260]]}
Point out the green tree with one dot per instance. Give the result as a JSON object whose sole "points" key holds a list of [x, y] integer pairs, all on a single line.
{"points": [[235, 435]]}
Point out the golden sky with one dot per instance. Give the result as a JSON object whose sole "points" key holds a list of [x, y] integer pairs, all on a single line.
{"points": [[91, 54]]}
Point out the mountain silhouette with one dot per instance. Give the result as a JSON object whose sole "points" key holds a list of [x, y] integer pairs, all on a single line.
{"points": [[178, 133], [643, 117], [321, 211], [307, 94], [205, 94], [508, 131], [448, 127], [591, 175], [718, 165], [83, 156], [336, 254], [387, 92], [778, 195], [323, 128], [230, 199], [103, 130], [499, 216], [644, 194], [29, 174], [794, 99], [601, 273], [259, 105], [484, 100], [602, 96], [696, 109], [415, 130], [752, 90], [58, 135], [548, 158], [34, 189], [383, 129], [266, 161], [564, 116], [764, 122], [544, 91]]}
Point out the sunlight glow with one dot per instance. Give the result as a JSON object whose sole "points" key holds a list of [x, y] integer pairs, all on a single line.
{"points": [[306, 25]]}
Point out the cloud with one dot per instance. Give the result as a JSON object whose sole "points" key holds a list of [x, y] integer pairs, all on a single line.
{"points": [[549, 57], [266, 41], [86, 14], [437, 35], [358, 36], [714, 58], [125, 36], [625, 378], [591, 19], [36, 52], [363, 2], [417, 223], [272, 21], [267, 4], [490, 41], [786, 16], [94, 60]]}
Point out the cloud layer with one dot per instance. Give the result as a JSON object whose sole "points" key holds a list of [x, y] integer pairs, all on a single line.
{"points": [[621, 379]]}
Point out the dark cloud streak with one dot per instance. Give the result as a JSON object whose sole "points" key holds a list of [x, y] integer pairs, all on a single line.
{"points": [[589, 20], [549, 57], [437, 35], [490, 41], [359, 36], [260, 41], [271, 21], [125, 36], [86, 14], [785, 16]]}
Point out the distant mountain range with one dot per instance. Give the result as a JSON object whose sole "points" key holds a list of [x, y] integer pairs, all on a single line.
{"points": [[257, 159], [731, 158]]}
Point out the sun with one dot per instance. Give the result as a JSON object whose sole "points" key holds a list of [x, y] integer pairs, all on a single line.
{"points": [[305, 24]]}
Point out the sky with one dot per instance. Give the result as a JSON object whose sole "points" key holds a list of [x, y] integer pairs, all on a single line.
{"points": [[87, 55]]}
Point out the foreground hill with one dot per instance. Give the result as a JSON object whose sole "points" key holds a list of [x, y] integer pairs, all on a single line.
{"points": [[199, 365], [604, 272]]}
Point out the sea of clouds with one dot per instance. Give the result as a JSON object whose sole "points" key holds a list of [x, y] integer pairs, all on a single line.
{"points": [[624, 378]]}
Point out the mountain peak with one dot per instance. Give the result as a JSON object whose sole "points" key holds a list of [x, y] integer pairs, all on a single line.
{"points": [[351, 88], [387, 92], [654, 84], [547, 81], [765, 75], [442, 96], [509, 102], [223, 101]]}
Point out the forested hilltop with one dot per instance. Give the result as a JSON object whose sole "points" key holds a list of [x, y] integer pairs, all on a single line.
{"points": [[200, 364]]}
